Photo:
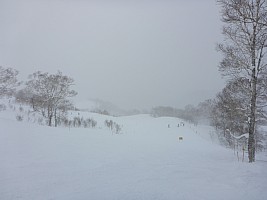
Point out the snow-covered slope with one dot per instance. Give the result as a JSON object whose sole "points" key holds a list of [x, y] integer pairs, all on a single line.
{"points": [[146, 162]]}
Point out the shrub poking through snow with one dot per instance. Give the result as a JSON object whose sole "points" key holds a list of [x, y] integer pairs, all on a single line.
{"points": [[80, 122], [2, 107], [19, 118], [113, 126]]}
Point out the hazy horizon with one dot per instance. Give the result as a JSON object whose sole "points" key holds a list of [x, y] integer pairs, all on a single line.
{"points": [[135, 54]]}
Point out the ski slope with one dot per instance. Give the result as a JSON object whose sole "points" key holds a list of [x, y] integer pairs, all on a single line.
{"points": [[146, 162]]}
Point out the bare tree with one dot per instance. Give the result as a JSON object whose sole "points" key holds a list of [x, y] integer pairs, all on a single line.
{"points": [[50, 93], [8, 81], [244, 50]]}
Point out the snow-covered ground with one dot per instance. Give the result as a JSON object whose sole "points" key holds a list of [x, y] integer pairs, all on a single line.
{"points": [[146, 162]]}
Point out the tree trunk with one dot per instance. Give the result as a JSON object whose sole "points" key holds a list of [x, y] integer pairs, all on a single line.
{"points": [[49, 115], [253, 106], [55, 117], [252, 120], [50, 120]]}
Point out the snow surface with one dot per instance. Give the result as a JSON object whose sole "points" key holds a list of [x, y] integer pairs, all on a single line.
{"points": [[147, 161]]}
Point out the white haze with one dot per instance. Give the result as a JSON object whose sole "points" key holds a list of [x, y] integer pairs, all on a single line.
{"points": [[136, 54]]}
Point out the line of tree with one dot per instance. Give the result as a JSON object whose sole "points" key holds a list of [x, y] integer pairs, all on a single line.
{"points": [[230, 113], [190, 113], [165, 111], [48, 94]]}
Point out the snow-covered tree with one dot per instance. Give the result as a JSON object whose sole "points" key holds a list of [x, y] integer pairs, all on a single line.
{"points": [[230, 110], [8, 81], [50, 93], [244, 51]]}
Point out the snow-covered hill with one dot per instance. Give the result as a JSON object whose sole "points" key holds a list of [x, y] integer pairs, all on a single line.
{"points": [[146, 162]]}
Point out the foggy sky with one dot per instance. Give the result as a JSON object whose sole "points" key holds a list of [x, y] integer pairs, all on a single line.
{"points": [[133, 53]]}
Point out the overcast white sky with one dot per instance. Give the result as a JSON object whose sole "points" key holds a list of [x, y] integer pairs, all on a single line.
{"points": [[133, 53]]}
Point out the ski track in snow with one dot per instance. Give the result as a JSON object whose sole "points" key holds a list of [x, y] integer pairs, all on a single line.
{"points": [[145, 162]]}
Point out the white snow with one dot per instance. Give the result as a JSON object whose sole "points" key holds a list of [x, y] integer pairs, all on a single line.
{"points": [[146, 162]]}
